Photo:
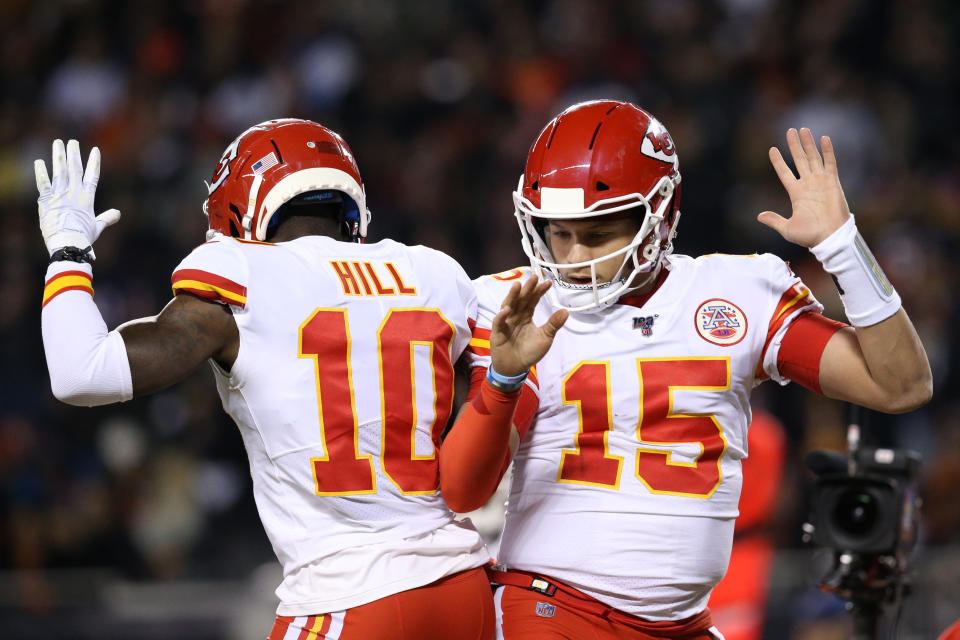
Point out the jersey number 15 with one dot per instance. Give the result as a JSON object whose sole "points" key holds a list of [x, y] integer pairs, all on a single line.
{"points": [[588, 387]]}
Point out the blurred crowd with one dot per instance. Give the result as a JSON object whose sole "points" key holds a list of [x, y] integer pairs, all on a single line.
{"points": [[440, 100]]}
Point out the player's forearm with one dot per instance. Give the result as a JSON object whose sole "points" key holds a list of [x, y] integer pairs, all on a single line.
{"points": [[887, 368], [897, 362], [476, 452], [88, 365]]}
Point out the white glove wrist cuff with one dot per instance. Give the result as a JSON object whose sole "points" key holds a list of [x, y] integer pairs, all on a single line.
{"points": [[67, 239], [867, 295]]}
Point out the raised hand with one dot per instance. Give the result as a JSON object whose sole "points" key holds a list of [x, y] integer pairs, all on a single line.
{"points": [[819, 206], [516, 343], [66, 205]]}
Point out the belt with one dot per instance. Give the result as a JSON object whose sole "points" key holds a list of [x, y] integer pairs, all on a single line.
{"points": [[567, 595]]}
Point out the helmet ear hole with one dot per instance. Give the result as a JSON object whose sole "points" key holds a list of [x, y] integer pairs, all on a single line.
{"points": [[235, 231], [602, 186]]}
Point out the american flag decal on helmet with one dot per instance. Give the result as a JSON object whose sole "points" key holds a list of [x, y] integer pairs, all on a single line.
{"points": [[264, 163]]}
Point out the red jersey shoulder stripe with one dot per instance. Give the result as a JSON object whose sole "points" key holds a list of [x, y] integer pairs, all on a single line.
{"points": [[792, 299], [480, 342], [210, 286]]}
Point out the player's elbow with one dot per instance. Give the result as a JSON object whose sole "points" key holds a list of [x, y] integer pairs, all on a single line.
{"points": [[75, 392], [66, 391], [460, 500], [909, 397]]}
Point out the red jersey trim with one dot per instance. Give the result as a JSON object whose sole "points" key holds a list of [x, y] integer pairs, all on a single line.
{"points": [[480, 342], [788, 302]]}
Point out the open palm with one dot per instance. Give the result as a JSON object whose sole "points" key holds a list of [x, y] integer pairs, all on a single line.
{"points": [[516, 342], [819, 206]]}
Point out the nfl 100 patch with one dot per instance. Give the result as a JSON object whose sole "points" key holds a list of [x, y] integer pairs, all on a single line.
{"points": [[645, 324], [720, 322]]}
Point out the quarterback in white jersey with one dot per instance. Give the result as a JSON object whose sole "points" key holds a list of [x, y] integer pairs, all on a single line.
{"points": [[645, 411], [334, 358], [632, 427]]}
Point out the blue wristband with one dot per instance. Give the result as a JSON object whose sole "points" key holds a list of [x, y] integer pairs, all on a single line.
{"points": [[505, 383]]}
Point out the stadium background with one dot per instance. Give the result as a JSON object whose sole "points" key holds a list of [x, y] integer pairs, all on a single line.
{"points": [[136, 521]]}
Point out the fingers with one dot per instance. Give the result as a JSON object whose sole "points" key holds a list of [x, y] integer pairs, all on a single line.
{"points": [[531, 297], [519, 304], [92, 175], [829, 157], [796, 151], [499, 323], [555, 322], [68, 171], [107, 218], [59, 165], [805, 154], [43, 180], [522, 298], [773, 220], [74, 165], [810, 149], [784, 172]]}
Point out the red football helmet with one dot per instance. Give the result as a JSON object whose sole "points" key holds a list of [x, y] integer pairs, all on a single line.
{"points": [[593, 159], [272, 163]]}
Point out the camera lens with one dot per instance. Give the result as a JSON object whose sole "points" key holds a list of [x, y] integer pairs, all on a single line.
{"points": [[855, 512]]}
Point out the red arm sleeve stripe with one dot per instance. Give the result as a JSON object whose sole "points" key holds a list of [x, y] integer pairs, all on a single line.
{"points": [[803, 344]]}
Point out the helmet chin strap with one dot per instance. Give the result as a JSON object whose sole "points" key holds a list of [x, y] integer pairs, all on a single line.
{"points": [[251, 206], [651, 277]]}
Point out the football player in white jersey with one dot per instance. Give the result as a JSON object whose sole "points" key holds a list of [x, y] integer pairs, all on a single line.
{"points": [[334, 358], [632, 427]]}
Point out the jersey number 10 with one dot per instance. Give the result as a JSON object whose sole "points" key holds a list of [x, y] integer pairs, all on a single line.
{"points": [[325, 337]]}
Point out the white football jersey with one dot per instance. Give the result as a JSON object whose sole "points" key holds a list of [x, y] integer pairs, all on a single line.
{"points": [[626, 485], [341, 389]]}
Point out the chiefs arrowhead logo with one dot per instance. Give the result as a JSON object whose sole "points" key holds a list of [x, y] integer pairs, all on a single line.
{"points": [[658, 144]]}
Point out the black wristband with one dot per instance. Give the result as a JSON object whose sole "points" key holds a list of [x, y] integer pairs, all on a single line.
{"points": [[73, 254]]}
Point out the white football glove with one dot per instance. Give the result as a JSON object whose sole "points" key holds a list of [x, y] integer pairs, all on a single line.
{"points": [[66, 207]]}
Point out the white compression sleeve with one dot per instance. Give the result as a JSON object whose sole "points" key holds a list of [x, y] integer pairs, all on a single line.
{"points": [[88, 365]]}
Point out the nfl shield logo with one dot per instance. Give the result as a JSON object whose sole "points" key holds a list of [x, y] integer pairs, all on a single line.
{"points": [[545, 610]]}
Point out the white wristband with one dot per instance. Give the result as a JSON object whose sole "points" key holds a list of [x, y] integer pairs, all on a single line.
{"points": [[867, 295]]}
